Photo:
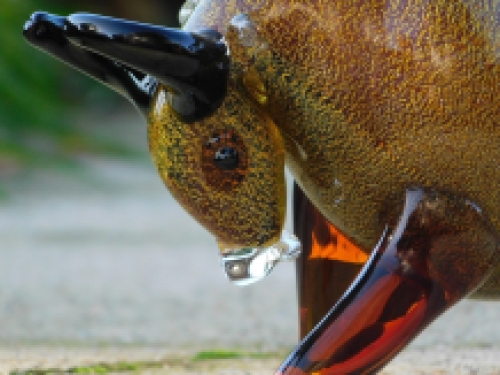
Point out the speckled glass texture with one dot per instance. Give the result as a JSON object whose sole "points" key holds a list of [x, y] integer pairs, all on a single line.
{"points": [[372, 97]]}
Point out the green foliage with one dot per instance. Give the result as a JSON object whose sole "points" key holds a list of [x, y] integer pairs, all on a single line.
{"points": [[229, 354], [102, 368], [198, 362], [217, 354], [38, 93]]}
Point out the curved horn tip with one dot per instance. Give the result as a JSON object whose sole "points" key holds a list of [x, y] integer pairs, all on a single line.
{"points": [[32, 23], [34, 27]]}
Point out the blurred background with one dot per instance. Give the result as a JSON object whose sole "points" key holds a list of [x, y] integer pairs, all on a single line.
{"points": [[93, 249], [39, 96]]}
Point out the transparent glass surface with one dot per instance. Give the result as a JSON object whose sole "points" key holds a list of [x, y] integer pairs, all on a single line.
{"points": [[246, 266]]}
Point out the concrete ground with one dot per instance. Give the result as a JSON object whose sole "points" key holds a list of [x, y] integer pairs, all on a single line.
{"points": [[99, 265]]}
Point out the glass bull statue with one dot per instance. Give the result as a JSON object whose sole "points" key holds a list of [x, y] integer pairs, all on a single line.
{"points": [[387, 114]]}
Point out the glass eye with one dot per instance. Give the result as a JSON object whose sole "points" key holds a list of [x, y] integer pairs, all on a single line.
{"points": [[227, 158], [224, 160]]}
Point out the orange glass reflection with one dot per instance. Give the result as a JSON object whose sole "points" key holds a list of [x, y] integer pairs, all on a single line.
{"points": [[329, 243], [325, 268]]}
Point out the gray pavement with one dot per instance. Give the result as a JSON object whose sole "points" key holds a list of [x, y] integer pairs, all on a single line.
{"points": [[111, 258], [101, 264]]}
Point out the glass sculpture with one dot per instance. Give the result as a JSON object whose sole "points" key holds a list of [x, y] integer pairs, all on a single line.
{"points": [[387, 115]]}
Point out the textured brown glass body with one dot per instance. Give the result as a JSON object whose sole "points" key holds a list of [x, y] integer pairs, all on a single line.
{"points": [[373, 97]]}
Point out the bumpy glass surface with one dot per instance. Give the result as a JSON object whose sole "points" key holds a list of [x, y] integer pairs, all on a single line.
{"points": [[227, 171], [372, 98]]}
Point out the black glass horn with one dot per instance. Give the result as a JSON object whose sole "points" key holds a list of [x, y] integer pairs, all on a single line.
{"points": [[132, 58]]}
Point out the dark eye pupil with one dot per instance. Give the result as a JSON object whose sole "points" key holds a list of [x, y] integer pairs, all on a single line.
{"points": [[226, 158]]}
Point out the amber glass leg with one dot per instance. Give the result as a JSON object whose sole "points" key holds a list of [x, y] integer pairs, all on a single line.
{"points": [[327, 266], [436, 251]]}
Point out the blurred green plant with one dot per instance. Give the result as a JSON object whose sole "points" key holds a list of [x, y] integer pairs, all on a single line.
{"points": [[103, 368], [218, 354], [39, 96], [36, 96]]}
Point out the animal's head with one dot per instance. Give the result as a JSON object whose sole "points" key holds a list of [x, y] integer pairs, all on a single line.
{"points": [[215, 147], [227, 167]]}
